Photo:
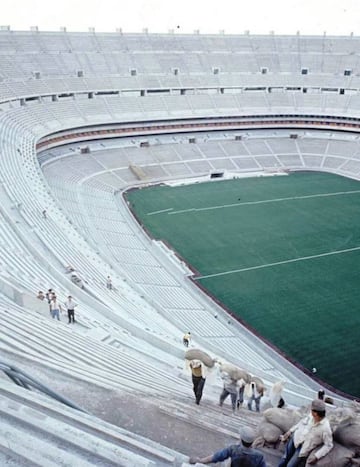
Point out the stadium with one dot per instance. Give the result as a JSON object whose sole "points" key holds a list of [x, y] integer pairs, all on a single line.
{"points": [[116, 152]]}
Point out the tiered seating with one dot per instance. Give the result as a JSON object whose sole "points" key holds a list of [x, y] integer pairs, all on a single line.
{"points": [[110, 366], [55, 81], [56, 443], [272, 152]]}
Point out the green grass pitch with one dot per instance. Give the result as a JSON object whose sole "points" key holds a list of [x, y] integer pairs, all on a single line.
{"points": [[282, 252]]}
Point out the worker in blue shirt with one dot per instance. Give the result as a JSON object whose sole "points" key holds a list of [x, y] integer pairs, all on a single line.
{"points": [[241, 454]]}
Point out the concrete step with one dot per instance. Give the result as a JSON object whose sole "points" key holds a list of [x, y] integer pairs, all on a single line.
{"points": [[49, 342], [10, 458], [219, 420], [48, 434], [211, 416]]}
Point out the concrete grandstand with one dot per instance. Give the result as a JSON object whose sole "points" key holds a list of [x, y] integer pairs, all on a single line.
{"points": [[85, 116]]}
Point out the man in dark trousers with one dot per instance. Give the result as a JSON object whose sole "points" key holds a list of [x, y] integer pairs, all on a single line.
{"points": [[241, 454], [198, 379], [186, 339], [70, 307]]}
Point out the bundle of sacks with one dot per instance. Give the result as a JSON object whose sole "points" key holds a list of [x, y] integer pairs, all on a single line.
{"points": [[274, 397], [344, 422], [243, 378], [275, 422], [200, 358], [259, 384], [203, 357], [234, 372], [276, 394]]}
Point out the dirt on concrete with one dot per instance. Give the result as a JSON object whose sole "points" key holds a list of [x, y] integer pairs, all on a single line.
{"points": [[140, 414]]}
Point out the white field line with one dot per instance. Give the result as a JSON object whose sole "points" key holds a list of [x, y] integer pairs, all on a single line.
{"points": [[275, 200], [269, 265], [158, 212]]}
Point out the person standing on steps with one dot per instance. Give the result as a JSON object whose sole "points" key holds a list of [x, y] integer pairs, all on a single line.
{"points": [[186, 339], [70, 308], [109, 283], [49, 295], [198, 380], [55, 308], [240, 399], [256, 395], [231, 388]]}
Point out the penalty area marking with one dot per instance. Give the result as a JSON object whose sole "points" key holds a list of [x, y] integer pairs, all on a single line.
{"points": [[269, 265]]}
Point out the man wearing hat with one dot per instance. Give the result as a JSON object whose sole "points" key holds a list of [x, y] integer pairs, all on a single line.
{"points": [[241, 454], [311, 432]]}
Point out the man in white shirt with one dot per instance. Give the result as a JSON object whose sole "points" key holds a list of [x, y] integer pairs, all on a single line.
{"points": [[256, 395], [309, 433], [70, 307], [55, 308]]}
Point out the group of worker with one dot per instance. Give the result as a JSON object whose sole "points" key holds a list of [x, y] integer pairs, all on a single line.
{"points": [[307, 441]]}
